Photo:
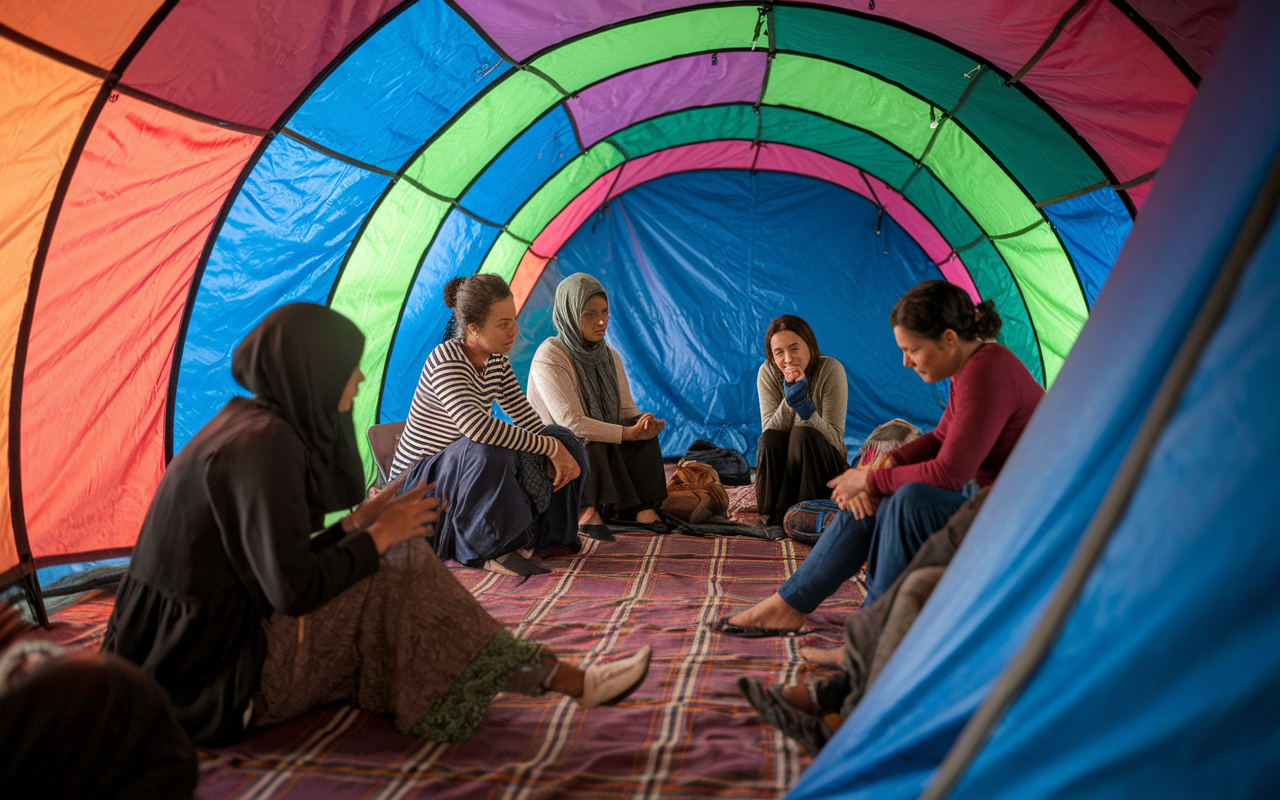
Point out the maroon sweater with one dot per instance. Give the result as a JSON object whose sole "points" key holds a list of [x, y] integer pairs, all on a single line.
{"points": [[992, 397]]}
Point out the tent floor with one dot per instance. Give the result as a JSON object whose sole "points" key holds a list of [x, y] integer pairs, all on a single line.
{"points": [[686, 733]]}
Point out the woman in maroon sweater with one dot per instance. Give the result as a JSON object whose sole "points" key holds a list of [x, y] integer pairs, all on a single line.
{"points": [[942, 335]]}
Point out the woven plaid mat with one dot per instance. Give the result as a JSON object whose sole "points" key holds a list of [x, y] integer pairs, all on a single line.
{"points": [[686, 733]]}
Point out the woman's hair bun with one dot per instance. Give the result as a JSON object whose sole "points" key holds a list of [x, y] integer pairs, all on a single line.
{"points": [[451, 292], [987, 322]]}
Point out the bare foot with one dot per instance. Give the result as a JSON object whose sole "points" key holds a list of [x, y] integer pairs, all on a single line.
{"points": [[647, 516], [590, 516], [772, 612], [831, 656], [798, 696]]}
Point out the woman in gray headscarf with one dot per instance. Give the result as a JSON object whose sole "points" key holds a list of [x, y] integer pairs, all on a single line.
{"points": [[577, 381]]}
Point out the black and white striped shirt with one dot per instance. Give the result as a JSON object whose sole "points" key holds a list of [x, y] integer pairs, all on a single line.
{"points": [[453, 401]]}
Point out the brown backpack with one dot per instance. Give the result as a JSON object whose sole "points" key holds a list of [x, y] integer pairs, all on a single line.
{"points": [[694, 493]]}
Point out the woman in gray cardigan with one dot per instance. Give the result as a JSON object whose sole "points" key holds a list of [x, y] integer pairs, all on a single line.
{"points": [[803, 397], [576, 381]]}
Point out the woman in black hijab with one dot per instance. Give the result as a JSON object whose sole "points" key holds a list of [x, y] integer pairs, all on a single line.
{"points": [[229, 595]]}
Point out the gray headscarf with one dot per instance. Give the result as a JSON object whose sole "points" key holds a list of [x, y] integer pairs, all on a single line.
{"points": [[597, 378]]}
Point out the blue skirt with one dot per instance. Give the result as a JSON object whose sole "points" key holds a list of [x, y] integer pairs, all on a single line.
{"points": [[490, 513]]}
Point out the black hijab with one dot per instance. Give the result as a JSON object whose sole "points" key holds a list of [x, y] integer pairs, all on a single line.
{"points": [[298, 361]]}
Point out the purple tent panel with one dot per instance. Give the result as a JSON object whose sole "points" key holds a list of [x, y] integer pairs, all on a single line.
{"points": [[625, 99]]}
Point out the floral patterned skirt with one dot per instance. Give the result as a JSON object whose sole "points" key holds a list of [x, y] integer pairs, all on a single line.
{"points": [[409, 641]]}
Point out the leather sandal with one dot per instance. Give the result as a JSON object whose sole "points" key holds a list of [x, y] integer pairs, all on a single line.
{"points": [[807, 730], [723, 625]]}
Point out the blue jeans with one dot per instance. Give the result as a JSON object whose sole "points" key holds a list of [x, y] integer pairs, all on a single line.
{"points": [[886, 542]]}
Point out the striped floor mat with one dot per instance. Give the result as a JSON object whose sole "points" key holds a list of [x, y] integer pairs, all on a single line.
{"points": [[686, 733]]}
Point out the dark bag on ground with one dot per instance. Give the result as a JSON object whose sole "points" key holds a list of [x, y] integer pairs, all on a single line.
{"points": [[730, 465]]}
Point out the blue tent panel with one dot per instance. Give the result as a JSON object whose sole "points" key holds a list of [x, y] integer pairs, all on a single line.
{"points": [[1164, 655], [697, 264], [283, 241], [400, 87], [1172, 656], [1093, 227], [523, 167]]}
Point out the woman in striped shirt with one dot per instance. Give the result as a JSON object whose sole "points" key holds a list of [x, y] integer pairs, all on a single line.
{"points": [[512, 489]]}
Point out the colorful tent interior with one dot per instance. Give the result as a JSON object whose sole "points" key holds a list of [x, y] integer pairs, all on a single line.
{"points": [[175, 170]]}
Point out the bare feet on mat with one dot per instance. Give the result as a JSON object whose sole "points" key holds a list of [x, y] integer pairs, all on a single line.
{"points": [[647, 516], [798, 696], [830, 656], [772, 612], [590, 516]]}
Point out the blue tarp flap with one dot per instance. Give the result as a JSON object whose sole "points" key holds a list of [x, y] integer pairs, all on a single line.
{"points": [[400, 87], [1093, 227], [283, 241], [1163, 682], [698, 264], [522, 168], [457, 251]]}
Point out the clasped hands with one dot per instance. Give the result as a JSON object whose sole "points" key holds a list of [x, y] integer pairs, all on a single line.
{"points": [[849, 491], [645, 426]]}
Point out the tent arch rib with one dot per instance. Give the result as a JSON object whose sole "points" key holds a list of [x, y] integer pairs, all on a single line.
{"points": [[457, 189], [376, 199]]}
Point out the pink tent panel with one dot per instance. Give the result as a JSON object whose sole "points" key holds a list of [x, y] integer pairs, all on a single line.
{"points": [[736, 154]]}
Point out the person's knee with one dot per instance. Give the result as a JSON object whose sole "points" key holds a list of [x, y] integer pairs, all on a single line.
{"points": [[913, 495], [804, 441]]}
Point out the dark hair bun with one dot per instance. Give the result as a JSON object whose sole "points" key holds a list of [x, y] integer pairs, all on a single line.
{"points": [[928, 309], [451, 292], [987, 323]]}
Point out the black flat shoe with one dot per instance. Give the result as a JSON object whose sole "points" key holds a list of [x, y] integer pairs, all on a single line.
{"points": [[635, 525], [515, 564], [807, 730], [597, 531], [723, 625]]}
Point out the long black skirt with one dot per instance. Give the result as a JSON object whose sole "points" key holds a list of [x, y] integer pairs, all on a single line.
{"points": [[791, 467], [491, 510], [625, 478]]}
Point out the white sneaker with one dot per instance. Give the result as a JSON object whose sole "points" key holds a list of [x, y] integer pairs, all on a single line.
{"points": [[607, 684]]}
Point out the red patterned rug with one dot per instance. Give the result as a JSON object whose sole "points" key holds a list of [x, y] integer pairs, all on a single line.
{"points": [[686, 733]]}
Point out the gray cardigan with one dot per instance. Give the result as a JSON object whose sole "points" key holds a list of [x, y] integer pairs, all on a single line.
{"points": [[830, 393]]}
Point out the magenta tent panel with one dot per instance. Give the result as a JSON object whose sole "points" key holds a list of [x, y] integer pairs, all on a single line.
{"points": [[1117, 89], [1194, 30], [245, 61]]}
